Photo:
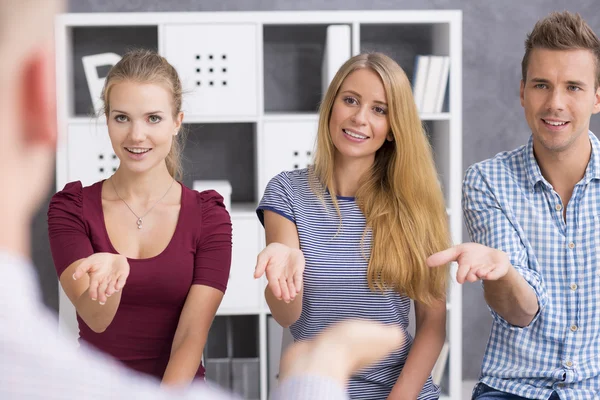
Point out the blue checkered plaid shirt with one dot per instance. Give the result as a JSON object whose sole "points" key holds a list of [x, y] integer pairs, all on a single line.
{"points": [[509, 205]]}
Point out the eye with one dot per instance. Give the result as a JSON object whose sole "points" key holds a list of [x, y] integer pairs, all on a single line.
{"points": [[121, 118], [380, 110], [540, 86], [154, 119], [573, 88], [350, 100]]}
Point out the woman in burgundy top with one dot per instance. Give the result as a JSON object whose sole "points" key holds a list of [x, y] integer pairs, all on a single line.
{"points": [[144, 259]]}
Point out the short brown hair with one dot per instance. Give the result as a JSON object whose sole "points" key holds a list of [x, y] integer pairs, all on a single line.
{"points": [[147, 66], [562, 31]]}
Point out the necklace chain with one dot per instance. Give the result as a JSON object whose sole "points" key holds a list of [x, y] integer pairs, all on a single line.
{"points": [[139, 219]]}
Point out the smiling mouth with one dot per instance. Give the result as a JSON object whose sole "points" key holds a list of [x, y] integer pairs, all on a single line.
{"points": [[555, 123], [133, 150], [354, 134]]}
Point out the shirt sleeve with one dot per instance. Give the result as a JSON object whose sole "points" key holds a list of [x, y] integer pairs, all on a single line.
{"points": [[213, 248], [67, 232], [278, 197], [488, 225]]}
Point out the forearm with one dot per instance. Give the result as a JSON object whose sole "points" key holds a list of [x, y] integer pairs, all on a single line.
{"points": [[284, 313], [186, 356], [512, 298], [425, 350], [98, 317]]}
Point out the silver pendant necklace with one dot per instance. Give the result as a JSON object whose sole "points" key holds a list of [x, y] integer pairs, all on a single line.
{"points": [[139, 221]]}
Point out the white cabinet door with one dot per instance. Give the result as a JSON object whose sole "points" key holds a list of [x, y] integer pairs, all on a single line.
{"points": [[217, 65], [244, 293]]}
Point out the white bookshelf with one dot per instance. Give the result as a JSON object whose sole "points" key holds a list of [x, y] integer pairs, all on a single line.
{"points": [[245, 50]]}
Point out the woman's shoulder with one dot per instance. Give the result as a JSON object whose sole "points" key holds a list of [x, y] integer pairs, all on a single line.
{"points": [[74, 193]]}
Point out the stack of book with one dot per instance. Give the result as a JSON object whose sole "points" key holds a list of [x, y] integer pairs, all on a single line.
{"points": [[430, 81]]}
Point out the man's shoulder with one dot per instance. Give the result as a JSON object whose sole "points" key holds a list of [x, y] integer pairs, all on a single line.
{"points": [[503, 165]]}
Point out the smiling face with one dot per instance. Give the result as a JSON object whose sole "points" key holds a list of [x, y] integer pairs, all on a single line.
{"points": [[141, 124], [359, 122], [559, 99]]}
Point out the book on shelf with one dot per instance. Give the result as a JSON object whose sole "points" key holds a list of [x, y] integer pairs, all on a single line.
{"points": [[430, 81], [337, 52]]}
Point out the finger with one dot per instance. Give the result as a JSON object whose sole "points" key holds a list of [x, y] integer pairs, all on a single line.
{"points": [[496, 273], [93, 288], [462, 272], [262, 260], [82, 269], [291, 288], [121, 281], [445, 256], [110, 288], [298, 280], [471, 277], [275, 288], [483, 272], [102, 290], [285, 292]]}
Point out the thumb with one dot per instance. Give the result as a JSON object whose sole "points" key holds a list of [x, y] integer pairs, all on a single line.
{"points": [[262, 260], [82, 269], [445, 256]]}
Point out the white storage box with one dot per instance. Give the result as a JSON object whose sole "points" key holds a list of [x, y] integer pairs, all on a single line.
{"points": [[222, 187]]}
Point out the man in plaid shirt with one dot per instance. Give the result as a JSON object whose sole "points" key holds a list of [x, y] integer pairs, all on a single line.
{"points": [[534, 214]]}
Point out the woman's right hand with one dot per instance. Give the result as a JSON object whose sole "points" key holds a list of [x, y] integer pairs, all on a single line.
{"points": [[107, 273], [283, 267]]}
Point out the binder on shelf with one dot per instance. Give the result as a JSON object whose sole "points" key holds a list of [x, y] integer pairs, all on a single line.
{"points": [[337, 52], [442, 85], [430, 80], [436, 64], [420, 79]]}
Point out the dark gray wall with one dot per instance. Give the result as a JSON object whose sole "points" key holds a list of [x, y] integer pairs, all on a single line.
{"points": [[493, 35]]}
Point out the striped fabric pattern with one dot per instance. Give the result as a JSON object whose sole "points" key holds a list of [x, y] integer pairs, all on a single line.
{"points": [[510, 206], [335, 277]]}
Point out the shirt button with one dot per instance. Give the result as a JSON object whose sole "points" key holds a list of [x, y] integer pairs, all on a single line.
{"points": [[571, 245], [560, 385], [574, 328], [573, 286], [569, 364], [558, 207]]}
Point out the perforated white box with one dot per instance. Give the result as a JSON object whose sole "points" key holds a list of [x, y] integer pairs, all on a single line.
{"points": [[286, 146], [90, 156], [217, 66]]}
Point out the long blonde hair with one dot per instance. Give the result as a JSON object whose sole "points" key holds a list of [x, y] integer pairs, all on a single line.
{"points": [[147, 66], [400, 196]]}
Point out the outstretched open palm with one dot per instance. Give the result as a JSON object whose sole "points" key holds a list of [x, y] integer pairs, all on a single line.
{"points": [[475, 262]]}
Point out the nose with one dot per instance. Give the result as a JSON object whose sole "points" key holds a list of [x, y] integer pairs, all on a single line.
{"points": [[360, 116], [138, 132], [555, 101]]}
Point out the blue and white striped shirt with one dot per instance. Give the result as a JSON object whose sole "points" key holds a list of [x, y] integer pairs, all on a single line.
{"points": [[510, 206], [335, 276]]}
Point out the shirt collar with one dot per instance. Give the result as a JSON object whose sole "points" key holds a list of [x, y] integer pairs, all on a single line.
{"points": [[534, 174]]}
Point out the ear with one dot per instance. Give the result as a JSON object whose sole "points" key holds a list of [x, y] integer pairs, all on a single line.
{"points": [[178, 122], [390, 137], [37, 110], [596, 108], [522, 93]]}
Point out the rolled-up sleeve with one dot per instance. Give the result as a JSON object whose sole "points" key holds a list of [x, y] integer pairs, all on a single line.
{"points": [[488, 225]]}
